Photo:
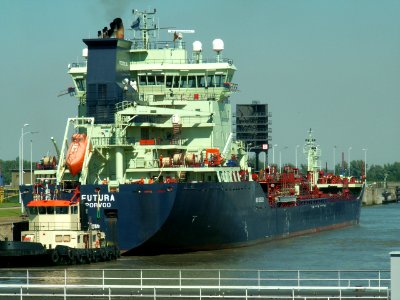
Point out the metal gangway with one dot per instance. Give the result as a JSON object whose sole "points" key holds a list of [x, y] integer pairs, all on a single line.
{"points": [[88, 283]]}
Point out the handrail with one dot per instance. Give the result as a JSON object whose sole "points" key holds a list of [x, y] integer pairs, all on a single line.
{"points": [[203, 292], [210, 277]]}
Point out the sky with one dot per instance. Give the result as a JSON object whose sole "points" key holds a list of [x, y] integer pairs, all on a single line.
{"points": [[333, 66]]}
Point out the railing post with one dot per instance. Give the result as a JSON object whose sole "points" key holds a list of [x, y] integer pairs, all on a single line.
{"points": [[154, 295], [65, 277], [109, 293], [219, 280], [379, 278], [20, 293], [180, 280], [298, 278], [27, 278], [258, 279], [338, 276], [141, 279], [103, 279]]}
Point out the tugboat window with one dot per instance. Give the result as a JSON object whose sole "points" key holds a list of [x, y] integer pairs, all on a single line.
{"points": [[50, 210], [32, 211], [42, 210], [61, 210]]}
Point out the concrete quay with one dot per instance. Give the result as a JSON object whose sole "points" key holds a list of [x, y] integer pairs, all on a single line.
{"points": [[374, 192]]}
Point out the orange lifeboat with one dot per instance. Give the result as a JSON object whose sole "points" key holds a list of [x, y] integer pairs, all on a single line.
{"points": [[76, 153]]}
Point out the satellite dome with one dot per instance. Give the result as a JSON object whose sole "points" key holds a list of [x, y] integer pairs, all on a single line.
{"points": [[197, 46], [218, 45]]}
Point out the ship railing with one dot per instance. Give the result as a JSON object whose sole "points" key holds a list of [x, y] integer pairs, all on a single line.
{"points": [[198, 284], [184, 61], [165, 61], [127, 141], [54, 226]]}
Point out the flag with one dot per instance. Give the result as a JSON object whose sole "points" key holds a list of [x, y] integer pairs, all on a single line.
{"points": [[135, 25], [175, 36]]}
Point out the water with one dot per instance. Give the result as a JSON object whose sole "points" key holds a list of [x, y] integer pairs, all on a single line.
{"points": [[362, 247]]}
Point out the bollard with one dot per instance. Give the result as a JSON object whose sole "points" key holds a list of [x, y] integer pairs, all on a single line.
{"points": [[395, 275]]}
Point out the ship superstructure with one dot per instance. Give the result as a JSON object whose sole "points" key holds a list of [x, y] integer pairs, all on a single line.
{"points": [[159, 113], [153, 154]]}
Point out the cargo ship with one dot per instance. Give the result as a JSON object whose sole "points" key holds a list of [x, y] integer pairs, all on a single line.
{"points": [[154, 156]]}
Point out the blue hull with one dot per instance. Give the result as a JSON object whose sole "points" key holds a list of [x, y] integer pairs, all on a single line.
{"points": [[179, 217]]}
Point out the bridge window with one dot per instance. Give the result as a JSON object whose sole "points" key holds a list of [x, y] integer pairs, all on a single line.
{"points": [[160, 80], [176, 81], [169, 80], [219, 80], [81, 84], [210, 80], [151, 80], [192, 81], [184, 83], [201, 81], [142, 80]]}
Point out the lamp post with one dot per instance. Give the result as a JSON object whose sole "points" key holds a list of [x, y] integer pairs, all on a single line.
{"points": [[280, 159], [297, 147], [21, 162], [349, 159], [32, 132], [273, 153], [334, 160], [365, 164]]}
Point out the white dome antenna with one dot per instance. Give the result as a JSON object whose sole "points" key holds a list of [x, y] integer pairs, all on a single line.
{"points": [[197, 48], [218, 46]]}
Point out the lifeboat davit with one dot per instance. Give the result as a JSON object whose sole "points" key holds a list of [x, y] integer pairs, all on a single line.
{"points": [[76, 153]]}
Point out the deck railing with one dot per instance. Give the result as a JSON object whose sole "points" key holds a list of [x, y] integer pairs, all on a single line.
{"points": [[197, 284]]}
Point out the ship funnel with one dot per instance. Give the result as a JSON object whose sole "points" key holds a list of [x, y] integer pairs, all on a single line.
{"points": [[197, 48], [116, 30], [120, 33], [218, 46]]}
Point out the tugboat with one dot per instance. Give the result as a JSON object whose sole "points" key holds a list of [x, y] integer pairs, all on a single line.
{"points": [[59, 234]]}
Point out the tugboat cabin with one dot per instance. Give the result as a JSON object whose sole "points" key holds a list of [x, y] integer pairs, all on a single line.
{"points": [[58, 222]]}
